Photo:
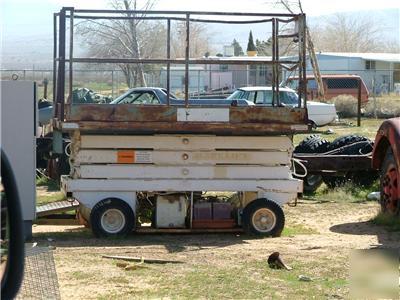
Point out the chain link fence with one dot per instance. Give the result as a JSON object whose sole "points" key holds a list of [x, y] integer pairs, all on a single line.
{"points": [[380, 89]]}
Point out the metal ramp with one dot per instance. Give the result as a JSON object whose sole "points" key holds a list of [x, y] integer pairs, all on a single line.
{"points": [[56, 207]]}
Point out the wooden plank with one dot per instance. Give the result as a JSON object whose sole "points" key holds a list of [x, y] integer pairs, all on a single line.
{"points": [[189, 172], [128, 185], [186, 142], [268, 158]]}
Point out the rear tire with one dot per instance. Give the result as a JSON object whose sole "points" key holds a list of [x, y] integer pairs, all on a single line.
{"points": [[390, 185], [112, 217], [312, 144], [263, 217]]}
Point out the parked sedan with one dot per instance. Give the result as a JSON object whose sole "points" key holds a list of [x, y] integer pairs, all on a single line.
{"points": [[319, 114], [158, 96]]}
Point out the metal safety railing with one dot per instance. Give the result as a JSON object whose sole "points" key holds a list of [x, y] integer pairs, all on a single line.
{"points": [[70, 14]]}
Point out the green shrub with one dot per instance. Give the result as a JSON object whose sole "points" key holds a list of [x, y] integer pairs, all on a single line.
{"points": [[346, 106]]}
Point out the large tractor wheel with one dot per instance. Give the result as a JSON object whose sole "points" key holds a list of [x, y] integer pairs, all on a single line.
{"points": [[312, 144], [263, 217], [390, 185], [112, 217]]}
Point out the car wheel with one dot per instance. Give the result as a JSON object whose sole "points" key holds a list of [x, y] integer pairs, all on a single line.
{"points": [[390, 185], [112, 217], [263, 217]]}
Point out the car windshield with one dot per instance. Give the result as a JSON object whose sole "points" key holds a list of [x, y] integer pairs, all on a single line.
{"points": [[171, 95], [137, 97], [264, 97], [238, 94]]}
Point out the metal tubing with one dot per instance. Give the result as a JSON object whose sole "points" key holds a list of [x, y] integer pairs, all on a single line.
{"points": [[71, 51], [194, 61], [61, 67], [177, 12], [187, 54], [54, 63], [276, 65], [86, 17], [359, 103], [304, 60], [273, 59], [168, 57]]}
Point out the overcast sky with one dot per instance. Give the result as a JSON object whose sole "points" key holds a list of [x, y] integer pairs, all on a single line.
{"points": [[27, 17], [27, 25]]}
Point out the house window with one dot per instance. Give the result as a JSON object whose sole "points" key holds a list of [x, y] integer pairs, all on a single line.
{"points": [[370, 65], [223, 67]]}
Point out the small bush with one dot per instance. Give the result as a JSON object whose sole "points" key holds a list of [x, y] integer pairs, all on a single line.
{"points": [[346, 106], [386, 107]]}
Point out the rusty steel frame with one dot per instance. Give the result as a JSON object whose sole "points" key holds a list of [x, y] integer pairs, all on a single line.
{"points": [[60, 59]]}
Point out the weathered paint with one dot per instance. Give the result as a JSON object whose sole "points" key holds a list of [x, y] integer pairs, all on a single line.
{"points": [[387, 135], [250, 120]]}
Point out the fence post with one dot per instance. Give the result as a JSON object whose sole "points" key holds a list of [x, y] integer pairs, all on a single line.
{"points": [[359, 104], [112, 84], [45, 83]]}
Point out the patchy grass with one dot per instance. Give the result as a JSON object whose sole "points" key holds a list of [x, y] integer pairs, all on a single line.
{"points": [[368, 128], [390, 222], [297, 229], [42, 199], [346, 193], [52, 185]]}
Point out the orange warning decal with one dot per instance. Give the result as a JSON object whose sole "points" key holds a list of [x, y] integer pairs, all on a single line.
{"points": [[126, 157]]}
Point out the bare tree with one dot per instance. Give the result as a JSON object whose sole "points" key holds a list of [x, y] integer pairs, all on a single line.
{"points": [[138, 38], [131, 38], [198, 40], [345, 33]]}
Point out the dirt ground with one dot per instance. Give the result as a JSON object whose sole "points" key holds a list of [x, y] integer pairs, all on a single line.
{"points": [[319, 238]]}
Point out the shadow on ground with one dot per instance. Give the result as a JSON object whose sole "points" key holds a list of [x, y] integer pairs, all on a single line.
{"points": [[386, 239], [81, 237]]}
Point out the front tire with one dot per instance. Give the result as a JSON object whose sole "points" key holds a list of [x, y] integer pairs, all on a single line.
{"points": [[263, 217], [390, 185], [112, 217]]}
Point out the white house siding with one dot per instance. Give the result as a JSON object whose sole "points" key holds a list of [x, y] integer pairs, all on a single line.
{"points": [[381, 78]]}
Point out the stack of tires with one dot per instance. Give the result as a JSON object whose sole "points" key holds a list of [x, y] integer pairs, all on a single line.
{"points": [[344, 145]]}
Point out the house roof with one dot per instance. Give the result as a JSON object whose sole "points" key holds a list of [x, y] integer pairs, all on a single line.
{"points": [[389, 57]]}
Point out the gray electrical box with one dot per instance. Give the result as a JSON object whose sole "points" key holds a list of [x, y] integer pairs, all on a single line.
{"points": [[18, 107]]}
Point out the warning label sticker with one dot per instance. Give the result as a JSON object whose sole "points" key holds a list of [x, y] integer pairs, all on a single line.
{"points": [[132, 157]]}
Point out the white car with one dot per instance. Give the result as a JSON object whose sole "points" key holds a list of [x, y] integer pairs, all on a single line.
{"points": [[319, 114]]}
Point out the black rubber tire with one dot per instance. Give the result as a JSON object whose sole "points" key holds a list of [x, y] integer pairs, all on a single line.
{"points": [[347, 140], [312, 144], [361, 178], [311, 183], [111, 203], [252, 208], [388, 163]]}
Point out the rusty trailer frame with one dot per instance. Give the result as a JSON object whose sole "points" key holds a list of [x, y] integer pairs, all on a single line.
{"points": [[98, 118]]}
